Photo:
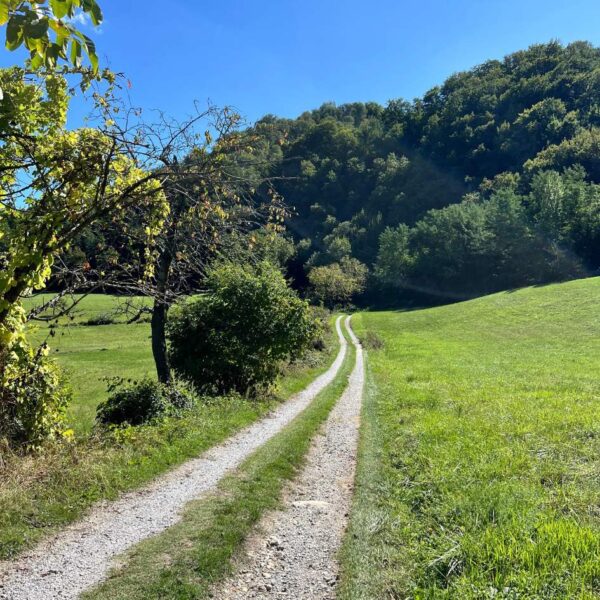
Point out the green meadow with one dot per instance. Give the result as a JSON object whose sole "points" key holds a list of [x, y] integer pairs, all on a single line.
{"points": [[91, 353], [478, 470]]}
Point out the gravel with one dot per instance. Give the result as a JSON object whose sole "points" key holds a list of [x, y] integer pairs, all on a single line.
{"points": [[293, 554], [79, 557]]}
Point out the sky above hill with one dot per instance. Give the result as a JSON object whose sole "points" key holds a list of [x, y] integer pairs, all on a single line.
{"points": [[285, 57]]}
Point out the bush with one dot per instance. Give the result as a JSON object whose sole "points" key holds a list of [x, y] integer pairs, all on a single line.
{"points": [[236, 336], [102, 319], [180, 395], [372, 341], [33, 396], [144, 401]]}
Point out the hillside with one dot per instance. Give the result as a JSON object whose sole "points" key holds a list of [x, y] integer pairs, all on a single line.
{"points": [[479, 453], [487, 182]]}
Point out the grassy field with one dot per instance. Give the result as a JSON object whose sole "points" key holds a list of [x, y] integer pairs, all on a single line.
{"points": [[479, 471], [42, 492], [90, 353]]}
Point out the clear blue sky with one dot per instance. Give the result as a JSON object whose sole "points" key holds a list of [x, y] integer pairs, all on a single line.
{"points": [[284, 56]]}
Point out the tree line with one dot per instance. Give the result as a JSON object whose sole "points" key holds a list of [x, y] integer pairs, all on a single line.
{"points": [[487, 182]]}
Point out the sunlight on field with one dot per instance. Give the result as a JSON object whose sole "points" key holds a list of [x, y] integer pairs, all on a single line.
{"points": [[482, 433], [91, 353]]}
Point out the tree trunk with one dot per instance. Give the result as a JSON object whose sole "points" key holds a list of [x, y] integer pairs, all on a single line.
{"points": [[159, 318], [159, 341]]}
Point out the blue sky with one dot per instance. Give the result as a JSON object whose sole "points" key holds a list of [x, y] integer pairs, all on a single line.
{"points": [[284, 56]]}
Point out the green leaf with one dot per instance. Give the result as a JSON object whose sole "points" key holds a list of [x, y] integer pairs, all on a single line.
{"points": [[4, 11], [52, 54], [75, 53], [60, 8], [90, 49], [36, 61], [37, 28], [91, 8], [14, 33], [94, 60]]}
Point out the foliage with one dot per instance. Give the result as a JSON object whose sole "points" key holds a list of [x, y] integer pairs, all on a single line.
{"points": [[337, 283], [134, 404], [488, 244], [139, 402], [352, 171], [237, 335], [55, 183], [47, 30], [74, 178], [33, 397]]}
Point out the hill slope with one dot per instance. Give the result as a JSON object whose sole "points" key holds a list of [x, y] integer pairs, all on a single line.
{"points": [[479, 474], [494, 165]]}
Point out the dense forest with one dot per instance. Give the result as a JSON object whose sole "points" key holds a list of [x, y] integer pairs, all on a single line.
{"points": [[487, 182], [490, 181]]}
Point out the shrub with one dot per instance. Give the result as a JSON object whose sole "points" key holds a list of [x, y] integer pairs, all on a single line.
{"points": [[33, 396], [141, 402], [372, 341], [181, 395], [236, 336], [102, 319]]}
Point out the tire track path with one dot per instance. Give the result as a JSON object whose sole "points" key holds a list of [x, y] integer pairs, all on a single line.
{"points": [[293, 554], [80, 556]]}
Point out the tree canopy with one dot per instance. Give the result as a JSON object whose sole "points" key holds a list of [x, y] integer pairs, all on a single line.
{"points": [[515, 139], [47, 30]]}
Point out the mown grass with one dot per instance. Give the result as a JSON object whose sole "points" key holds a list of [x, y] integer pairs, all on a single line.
{"points": [[89, 354], [45, 491], [188, 559], [479, 474]]}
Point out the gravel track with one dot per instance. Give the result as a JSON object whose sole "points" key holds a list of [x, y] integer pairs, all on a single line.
{"points": [[293, 553], [80, 556]]}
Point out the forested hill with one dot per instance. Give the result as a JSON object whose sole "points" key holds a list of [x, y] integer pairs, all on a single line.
{"points": [[487, 182]]}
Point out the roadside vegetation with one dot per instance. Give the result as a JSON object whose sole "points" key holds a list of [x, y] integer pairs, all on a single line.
{"points": [[189, 558], [46, 490], [478, 472]]}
